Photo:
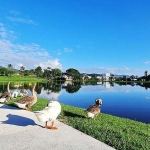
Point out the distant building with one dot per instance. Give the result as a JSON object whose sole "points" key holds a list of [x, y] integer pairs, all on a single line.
{"points": [[146, 73], [67, 77], [106, 76], [99, 77], [85, 76]]}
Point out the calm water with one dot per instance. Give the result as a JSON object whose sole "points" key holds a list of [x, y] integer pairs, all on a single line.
{"points": [[127, 101]]}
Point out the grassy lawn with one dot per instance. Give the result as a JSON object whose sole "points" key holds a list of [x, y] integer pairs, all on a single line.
{"points": [[20, 78], [120, 133]]}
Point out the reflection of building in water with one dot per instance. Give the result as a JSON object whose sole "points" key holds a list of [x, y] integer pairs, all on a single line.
{"points": [[66, 83], [99, 83], [106, 84], [68, 78]]}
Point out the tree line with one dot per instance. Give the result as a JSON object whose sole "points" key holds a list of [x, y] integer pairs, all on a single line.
{"points": [[38, 72]]}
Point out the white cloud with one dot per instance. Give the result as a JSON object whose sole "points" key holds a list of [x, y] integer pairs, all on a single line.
{"points": [[5, 34], [14, 12], [28, 55], [51, 96], [147, 62], [68, 49], [17, 17], [19, 65], [50, 63], [58, 52], [21, 20]]}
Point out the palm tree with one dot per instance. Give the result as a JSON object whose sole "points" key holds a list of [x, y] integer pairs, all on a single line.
{"points": [[38, 71], [22, 68], [9, 66], [48, 71], [49, 68]]}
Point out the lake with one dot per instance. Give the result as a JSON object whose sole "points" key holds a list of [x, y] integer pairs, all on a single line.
{"points": [[123, 100]]}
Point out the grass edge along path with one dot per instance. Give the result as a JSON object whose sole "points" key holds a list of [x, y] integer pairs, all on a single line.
{"points": [[120, 133]]}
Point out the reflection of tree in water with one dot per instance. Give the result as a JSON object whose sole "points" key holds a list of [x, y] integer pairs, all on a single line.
{"points": [[73, 88], [146, 85], [3, 86], [126, 83], [111, 84], [52, 87], [56, 87], [38, 88]]}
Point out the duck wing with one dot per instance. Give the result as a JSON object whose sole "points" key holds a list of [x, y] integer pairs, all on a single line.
{"points": [[94, 109], [5, 94], [26, 100], [43, 115]]}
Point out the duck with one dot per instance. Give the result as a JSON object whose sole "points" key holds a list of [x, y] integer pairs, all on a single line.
{"points": [[5, 97], [94, 110], [49, 113], [23, 92], [14, 94], [27, 101]]}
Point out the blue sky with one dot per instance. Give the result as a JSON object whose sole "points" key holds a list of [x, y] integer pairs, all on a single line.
{"points": [[92, 36]]}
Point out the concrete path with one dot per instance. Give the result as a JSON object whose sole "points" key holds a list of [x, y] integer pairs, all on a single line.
{"points": [[20, 130]]}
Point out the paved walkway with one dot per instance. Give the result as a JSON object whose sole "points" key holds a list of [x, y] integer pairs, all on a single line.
{"points": [[20, 130]]}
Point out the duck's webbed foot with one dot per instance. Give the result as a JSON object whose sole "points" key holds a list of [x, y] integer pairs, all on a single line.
{"points": [[50, 127], [28, 109]]}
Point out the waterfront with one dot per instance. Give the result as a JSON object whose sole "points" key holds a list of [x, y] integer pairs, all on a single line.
{"points": [[127, 101]]}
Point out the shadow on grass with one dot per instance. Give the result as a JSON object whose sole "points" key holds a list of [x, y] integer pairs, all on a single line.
{"points": [[70, 114]]}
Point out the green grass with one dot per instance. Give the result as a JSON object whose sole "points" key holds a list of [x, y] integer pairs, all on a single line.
{"points": [[20, 78], [120, 133]]}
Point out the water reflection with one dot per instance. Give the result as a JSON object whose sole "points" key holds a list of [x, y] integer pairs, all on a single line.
{"points": [[128, 100]]}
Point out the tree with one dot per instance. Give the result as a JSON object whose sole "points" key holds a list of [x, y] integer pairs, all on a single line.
{"points": [[56, 73], [4, 71], [10, 66], [75, 74], [49, 69], [38, 71], [22, 68], [124, 78], [47, 72], [132, 77]]}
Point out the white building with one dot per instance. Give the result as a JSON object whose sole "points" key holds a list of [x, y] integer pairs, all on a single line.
{"points": [[86, 76], [106, 76], [99, 77]]}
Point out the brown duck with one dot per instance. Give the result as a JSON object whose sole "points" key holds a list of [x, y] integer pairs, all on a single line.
{"points": [[28, 101], [94, 110], [5, 97]]}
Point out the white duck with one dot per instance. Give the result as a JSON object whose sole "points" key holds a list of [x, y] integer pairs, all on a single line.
{"points": [[14, 94], [28, 101], [5, 97], [49, 113], [23, 92]]}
